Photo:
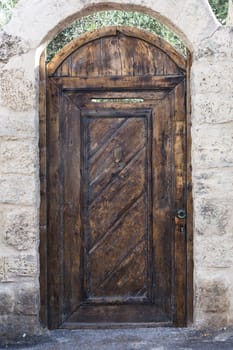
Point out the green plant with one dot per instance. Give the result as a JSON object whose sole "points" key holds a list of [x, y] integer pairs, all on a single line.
{"points": [[107, 18], [220, 8], [6, 7]]}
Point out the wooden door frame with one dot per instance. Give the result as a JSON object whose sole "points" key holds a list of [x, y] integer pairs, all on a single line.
{"points": [[43, 190]]}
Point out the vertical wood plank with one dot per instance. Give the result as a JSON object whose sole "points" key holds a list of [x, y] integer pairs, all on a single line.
{"points": [[65, 69], [70, 129], [110, 56], [55, 234], [87, 61], [143, 58], [43, 191], [126, 49], [162, 203], [180, 202]]}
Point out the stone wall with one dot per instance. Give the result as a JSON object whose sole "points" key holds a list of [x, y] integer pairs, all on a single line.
{"points": [[212, 134], [34, 22]]}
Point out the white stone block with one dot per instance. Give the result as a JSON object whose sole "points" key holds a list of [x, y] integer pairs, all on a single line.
{"points": [[17, 125], [17, 92], [18, 227], [212, 145], [213, 183], [18, 156], [18, 189], [212, 108], [17, 267]]}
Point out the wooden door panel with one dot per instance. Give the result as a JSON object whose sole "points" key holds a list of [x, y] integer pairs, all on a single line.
{"points": [[116, 177], [70, 206], [163, 199], [180, 193], [54, 218], [106, 163], [117, 55], [111, 256], [117, 315], [117, 200], [117, 206]]}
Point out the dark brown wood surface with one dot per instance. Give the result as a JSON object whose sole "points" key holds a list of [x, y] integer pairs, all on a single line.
{"points": [[117, 208], [189, 200], [116, 176], [118, 40], [43, 192]]}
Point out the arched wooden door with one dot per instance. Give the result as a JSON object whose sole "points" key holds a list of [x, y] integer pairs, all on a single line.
{"points": [[116, 177]]}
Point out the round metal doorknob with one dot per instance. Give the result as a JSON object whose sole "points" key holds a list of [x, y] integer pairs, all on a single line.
{"points": [[181, 214]]}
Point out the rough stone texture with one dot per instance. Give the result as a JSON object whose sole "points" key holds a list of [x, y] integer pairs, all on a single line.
{"points": [[18, 326], [216, 47], [213, 77], [18, 310], [26, 301], [19, 228], [16, 90], [212, 144], [214, 150], [214, 253], [18, 189], [215, 214], [18, 125], [13, 268], [17, 156], [212, 137], [208, 110], [213, 299], [7, 299], [211, 183], [2, 269], [10, 46], [194, 20], [126, 339]]}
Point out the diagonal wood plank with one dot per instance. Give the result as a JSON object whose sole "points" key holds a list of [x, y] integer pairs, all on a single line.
{"points": [[104, 164], [113, 246], [117, 204], [129, 271], [118, 222], [100, 133], [118, 196], [116, 176]]}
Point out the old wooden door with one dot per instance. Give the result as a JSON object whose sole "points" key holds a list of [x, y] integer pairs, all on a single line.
{"points": [[116, 143]]}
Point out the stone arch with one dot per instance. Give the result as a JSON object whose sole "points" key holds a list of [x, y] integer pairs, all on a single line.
{"points": [[193, 21], [33, 24]]}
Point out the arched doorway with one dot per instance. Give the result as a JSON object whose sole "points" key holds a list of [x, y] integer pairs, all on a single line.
{"points": [[116, 182]]}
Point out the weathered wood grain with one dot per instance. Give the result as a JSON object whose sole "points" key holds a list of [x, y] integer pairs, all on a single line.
{"points": [[55, 190], [189, 199], [180, 162], [72, 227], [116, 174], [162, 47], [119, 83], [43, 193]]}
